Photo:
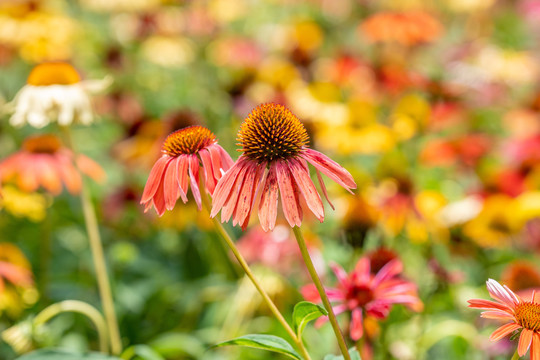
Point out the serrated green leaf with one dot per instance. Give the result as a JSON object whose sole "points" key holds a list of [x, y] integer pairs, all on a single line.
{"points": [[57, 354], [264, 342], [305, 312], [355, 355]]}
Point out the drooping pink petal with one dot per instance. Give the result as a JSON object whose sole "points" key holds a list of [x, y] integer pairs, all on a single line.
{"points": [[224, 186], [69, 174], [323, 188], [209, 179], [215, 156], [362, 270], [91, 168], [49, 177], [245, 196], [194, 179], [260, 177], [291, 207], [330, 168], [535, 347], [357, 328], [308, 190], [388, 271], [159, 198], [341, 274], [154, 178], [170, 184], [503, 331], [269, 200], [231, 202], [226, 161], [182, 176], [525, 340]]}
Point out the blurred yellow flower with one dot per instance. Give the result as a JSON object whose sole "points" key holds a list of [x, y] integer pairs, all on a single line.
{"points": [[508, 66], [307, 35], [370, 139], [495, 224], [410, 115], [32, 206], [120, 5], [168, 51], [39, 33]]}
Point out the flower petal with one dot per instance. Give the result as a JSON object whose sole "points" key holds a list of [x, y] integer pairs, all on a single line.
{"points": [[224, 186], [209, 179], [330, 168], [388, 271], [535, 347], [323, 188], [503, 331], [291, 206], [307, 188], [269, 200], [487, 304], [215, 156], [170, 184], [154, 178], [194, 179], [232, 199], [357, 328], [245, 196], [182, 176], [525, 340]]}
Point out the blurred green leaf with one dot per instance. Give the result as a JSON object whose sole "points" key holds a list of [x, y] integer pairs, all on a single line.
{"points": [[264, 342], [56, 354], [355, 355], [305, 312], [176, 344], [141, 351]]}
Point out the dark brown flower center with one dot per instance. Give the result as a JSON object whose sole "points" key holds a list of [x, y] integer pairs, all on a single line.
{"points": [[528, 315], [188, 141], [42, 144], [271, 132], [359, 295]]}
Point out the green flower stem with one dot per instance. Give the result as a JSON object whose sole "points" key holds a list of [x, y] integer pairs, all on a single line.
{"points": [[322, 293], [100, 266], [78, 307], [228, 240], [515, 356]]}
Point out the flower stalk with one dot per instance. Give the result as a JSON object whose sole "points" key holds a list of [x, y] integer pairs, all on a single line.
{"points": [[77, 307], [273, 308], [98, 257], [318, 284]]}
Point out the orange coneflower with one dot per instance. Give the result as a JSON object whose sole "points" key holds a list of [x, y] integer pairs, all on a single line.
{"points": [[523, 316], [274, 160], [43, 161], [179, 165], [54, 92], [407, 28]]}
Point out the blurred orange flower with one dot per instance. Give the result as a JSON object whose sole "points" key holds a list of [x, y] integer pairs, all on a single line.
{"points": [[407, 28], [43, 161]]}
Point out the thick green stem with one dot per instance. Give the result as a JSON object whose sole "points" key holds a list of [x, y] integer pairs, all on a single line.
{"points": [[322, 293], [515, 356], [228, 240], [100, 266], [81, 308]]}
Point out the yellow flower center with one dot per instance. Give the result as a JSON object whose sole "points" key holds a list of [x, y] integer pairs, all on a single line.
{"points": [[188, 141], [528, 315], [271, 132], [42, 144], [53, 73]]}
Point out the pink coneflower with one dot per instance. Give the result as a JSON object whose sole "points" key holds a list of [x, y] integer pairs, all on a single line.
{"points": [[179, 165], [274, 160], [43, 161], [363, 293], [523, 315]]}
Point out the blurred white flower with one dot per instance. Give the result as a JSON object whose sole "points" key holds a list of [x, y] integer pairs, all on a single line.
{"points": [[54, 92]]}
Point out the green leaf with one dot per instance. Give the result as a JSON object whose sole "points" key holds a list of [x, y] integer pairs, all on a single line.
{"points": [[264, 342], [141, 352], [305, 312], [57, 354], [355, 355]]}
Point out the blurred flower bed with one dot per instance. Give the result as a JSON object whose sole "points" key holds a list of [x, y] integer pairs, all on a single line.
{"points": [[433, 107]]}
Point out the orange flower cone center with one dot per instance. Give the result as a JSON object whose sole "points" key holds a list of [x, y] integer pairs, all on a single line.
{"points": [[188, 141], [528, 315], [271, 132], [53, 73], [42, 144]]}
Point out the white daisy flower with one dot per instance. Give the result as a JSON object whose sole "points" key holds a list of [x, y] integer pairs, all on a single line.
{"points": [[54, 91]]}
